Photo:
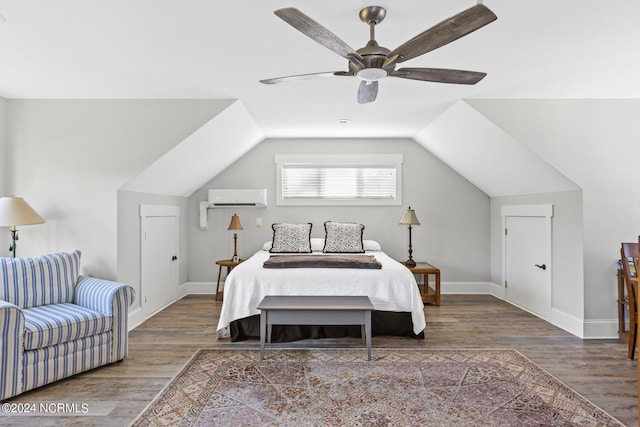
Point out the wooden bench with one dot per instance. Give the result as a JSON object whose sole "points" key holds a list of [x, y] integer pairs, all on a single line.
{"points": [[314, 310]]}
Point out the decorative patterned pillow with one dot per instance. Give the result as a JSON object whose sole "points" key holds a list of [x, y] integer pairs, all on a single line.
{"points": [[291, 238], [343, 237]]}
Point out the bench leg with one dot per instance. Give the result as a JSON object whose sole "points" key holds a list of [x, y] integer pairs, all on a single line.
{"points": [[367, 327], [263, 327]]}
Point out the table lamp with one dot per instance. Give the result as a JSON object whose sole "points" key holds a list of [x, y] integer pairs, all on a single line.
{"points": [[235, 225], [409, 218], [15, 211]]}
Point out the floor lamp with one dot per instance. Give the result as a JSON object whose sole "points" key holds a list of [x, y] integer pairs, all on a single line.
{"points": [[15, 211], [409, 218]]}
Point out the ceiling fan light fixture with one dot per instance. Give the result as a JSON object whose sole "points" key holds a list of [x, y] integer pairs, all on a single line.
{"points": [[374, 62], [372, 74]]}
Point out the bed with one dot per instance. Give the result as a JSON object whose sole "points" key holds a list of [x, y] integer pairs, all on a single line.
{"points": [[392, 290]]}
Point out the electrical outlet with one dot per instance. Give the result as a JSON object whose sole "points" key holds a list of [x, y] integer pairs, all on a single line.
{"points": [[258, 222]]}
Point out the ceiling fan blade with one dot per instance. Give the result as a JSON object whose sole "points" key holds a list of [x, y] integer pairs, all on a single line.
{"points": [[317, 32], [440, 75], [445, 32], [367, 92], [299, 77]]}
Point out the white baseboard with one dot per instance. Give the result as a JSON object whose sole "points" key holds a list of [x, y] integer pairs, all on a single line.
{"points": [[465, 288], [135, 318], [452, 288], [586, 329], [201, 287], [183, 290], [601, 329], [498, 291], [567, 322]]}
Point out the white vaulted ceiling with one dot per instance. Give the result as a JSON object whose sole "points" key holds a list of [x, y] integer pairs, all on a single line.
{"points": [[484, 154], [209, 49]]}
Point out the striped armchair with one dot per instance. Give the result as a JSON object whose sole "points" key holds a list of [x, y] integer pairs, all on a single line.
{"points": [[55, 323]]}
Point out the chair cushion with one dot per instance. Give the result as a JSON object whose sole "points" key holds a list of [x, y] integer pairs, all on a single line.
{"points": [[48, 279], [48, 325]]}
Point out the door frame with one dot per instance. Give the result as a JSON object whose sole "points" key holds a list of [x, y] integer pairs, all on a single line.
{"points": [[539, 211], [150, 211]]}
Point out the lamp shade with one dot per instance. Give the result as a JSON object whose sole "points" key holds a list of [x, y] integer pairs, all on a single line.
{"points": [[235, 223], [15, 211], [409, 217]]}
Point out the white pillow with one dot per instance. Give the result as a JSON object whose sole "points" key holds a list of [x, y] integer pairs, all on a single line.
{"points": [[317, 244], [370, 245]]}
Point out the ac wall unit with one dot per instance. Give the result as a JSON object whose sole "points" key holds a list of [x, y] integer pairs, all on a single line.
{"points": [[222, 198]]}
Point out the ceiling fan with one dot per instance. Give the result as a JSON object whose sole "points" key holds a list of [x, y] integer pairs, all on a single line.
{"points": [[374, 62]]}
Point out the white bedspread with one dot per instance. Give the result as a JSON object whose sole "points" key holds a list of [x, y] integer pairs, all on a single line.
{"points": [[392, 288]]}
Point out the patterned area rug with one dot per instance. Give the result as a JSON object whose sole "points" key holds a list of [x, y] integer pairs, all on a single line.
{"points": [[341, 388]]}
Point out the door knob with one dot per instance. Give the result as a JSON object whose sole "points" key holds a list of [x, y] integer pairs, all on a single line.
{"points": [[543, 266], [173, 258]]}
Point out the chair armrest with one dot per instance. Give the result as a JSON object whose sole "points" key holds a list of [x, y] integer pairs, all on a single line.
{"points": [[11, 349], [102, 295], [111, 298]]}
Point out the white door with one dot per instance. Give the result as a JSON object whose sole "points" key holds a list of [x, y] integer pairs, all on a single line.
{"points": [[527, 271], [159, 259]]}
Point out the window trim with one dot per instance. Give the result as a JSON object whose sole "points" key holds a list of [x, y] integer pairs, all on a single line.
{"points": [[339, 160]]}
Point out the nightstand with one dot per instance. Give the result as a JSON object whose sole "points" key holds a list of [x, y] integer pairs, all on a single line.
{"points": [[229, 264], [428, 293]]}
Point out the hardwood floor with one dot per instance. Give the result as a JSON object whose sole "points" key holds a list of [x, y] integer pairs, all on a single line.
{"points": [[597, 369]]}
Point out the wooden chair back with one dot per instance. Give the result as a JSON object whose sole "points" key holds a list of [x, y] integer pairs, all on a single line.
{"points": [[629, 257]]}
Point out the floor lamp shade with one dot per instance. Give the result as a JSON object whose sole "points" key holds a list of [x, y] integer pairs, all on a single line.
{"points": [[16, 211], [409, 218]]}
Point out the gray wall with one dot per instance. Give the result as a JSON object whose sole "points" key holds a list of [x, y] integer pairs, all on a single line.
{"points": [[68, 158], [129, 236], [594, 143], [567, 261], [3, 153], [454, 214]]}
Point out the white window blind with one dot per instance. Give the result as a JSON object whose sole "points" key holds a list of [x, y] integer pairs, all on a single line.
{"points": [[339, 180]]}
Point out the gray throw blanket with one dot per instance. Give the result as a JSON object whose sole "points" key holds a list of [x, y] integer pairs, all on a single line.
{"points": [[322, 261]]}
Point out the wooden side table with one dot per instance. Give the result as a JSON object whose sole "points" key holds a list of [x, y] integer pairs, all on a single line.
{"points": [[229, 264], [428, 293]]}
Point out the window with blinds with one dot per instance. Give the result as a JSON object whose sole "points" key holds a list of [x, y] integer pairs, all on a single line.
{"points": [[344, 180]]}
